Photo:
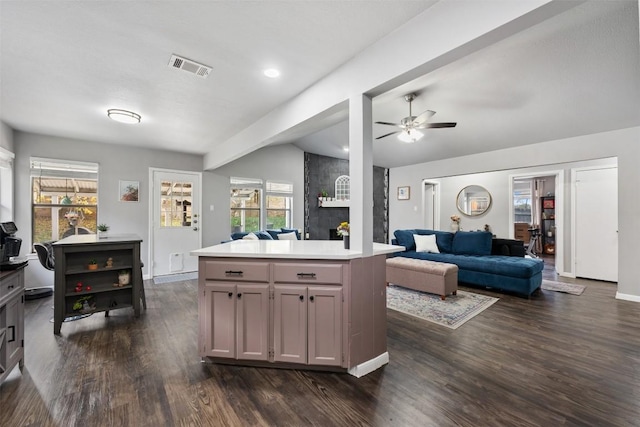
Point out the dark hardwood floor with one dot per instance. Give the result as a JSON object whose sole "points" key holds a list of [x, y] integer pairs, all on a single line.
{"points": [[553, 359]]}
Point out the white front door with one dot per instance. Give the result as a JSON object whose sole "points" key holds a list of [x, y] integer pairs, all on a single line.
{"points": [[596, 219], [176, 221]]}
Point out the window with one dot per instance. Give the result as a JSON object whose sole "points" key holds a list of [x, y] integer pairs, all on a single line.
{"points": [[246, 204], [64, 198], [279, 203], [343, 187], [175, 204], [522, 201]]}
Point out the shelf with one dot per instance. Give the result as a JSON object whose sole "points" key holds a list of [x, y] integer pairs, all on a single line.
{"points": [[101, 289], [99, 270], [333, 203]]}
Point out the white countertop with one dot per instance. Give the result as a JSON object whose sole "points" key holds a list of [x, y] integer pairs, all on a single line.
{"points": [[293, 249]]}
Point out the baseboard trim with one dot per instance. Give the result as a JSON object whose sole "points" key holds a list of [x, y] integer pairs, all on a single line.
{"points": [[627, 297], [369, 366]]}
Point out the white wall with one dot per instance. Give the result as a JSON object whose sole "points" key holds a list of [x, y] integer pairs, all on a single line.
{"points": [[278, 162], [117, 162], [547, 156]]}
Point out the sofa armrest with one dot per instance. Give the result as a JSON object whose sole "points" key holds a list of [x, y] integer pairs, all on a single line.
{"points": [[508, 247]]}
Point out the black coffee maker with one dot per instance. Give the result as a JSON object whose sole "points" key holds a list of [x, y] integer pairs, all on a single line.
{"points": [[9, 247]]}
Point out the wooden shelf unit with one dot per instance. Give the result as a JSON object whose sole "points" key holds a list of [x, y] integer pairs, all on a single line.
{"points": [[72, 256]]}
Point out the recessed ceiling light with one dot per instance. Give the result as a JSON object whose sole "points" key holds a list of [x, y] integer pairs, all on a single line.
{"points": [[124, 116], [271, 73]]}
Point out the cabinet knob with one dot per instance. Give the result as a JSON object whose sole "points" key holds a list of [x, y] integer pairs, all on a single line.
{"points": [[239, 295], [311, 298], [230, 294], [301, 297]]}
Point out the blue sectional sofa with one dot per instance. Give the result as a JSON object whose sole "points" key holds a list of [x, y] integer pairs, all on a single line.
{"points": [[471, 251], [266, 234]]}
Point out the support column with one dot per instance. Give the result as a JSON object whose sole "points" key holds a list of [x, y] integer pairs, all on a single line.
{"points": [[361, 174]]}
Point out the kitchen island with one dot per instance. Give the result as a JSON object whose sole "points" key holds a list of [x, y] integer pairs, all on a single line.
{"points": [[301, 304]]}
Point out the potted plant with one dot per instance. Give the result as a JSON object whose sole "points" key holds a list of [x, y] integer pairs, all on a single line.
{"points": [[93, 264], [102, 230], [124, 277]]}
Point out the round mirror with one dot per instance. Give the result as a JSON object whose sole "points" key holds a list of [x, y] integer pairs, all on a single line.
{"points": [[473, 200]]}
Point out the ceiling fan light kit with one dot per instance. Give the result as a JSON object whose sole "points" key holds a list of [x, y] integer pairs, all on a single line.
{"points": [[124, 116], [410, 136], [409, 126]]}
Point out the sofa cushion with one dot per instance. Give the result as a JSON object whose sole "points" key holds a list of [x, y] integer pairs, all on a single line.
{"points": [[238, 235], [472, 243], [263, 235], [426, 243]]}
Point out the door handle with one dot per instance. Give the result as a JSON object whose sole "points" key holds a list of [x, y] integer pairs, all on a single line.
{"points": [[195, 228]]}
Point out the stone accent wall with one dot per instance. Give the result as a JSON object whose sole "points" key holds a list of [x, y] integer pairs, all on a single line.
{"points": [[320, 173]]}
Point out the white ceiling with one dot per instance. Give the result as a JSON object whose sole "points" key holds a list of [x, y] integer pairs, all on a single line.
{"points": [[575, 74], [63, 64]]}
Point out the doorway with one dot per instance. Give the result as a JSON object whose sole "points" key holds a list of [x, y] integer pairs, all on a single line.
{"points": [[175, 227], [431, 204], [537, 204]]}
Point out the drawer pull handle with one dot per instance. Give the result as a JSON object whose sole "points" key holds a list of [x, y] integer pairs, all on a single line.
{"points": [[13, 334], [301, 297], [10, 287], [311, 298], [233, 272], [301, 275]]}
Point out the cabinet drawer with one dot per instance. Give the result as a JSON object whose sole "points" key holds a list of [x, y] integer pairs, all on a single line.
{"points": [[237, 271], [10, 283], [307, 273]]}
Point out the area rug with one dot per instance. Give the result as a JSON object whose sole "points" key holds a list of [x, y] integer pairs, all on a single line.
{"points": [[175, 277], [567, 288], [453, 312]]}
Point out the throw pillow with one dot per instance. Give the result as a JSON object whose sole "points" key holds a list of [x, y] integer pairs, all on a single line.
{"points": [[426, 243], [291, 230], [250, 236], [263, 235], [287, 236]]}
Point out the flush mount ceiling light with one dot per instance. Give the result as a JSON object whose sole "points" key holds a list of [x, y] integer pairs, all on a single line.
{"points": [[410, 135], [124, 116], [271, 73]]}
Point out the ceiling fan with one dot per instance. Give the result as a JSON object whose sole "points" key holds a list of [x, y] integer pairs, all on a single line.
{"points": [[411, 124]]}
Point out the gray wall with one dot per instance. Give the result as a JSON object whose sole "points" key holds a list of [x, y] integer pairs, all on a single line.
{"points": [[6, 137], [320, 174], [117, 162], [623, 144]]}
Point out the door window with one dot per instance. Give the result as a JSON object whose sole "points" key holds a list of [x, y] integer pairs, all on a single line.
{"points": [[175, 204]]}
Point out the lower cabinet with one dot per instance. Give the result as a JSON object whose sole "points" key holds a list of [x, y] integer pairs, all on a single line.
{"points": [[11, 321], [236, 321], [308, 324]]}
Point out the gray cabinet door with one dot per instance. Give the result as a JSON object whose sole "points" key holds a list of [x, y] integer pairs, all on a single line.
{"points": [[14, 332], [290, 323], [325, 325], [220, 320], [252, 308]]}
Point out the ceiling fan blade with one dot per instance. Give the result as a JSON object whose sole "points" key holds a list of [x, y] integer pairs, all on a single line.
{"points": [[424, 116], [388, 134], [389, 124], [436, 125]]}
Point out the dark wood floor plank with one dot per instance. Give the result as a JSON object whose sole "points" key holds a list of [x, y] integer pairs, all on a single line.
{"points": [[552, 359]]}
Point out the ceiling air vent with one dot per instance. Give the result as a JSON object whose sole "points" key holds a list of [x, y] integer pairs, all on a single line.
{"points": [[189, 66]]}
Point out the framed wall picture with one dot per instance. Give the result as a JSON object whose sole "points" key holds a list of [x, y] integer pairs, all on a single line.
{"points": [[404, 193], [128, 191], [548, 204]]}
